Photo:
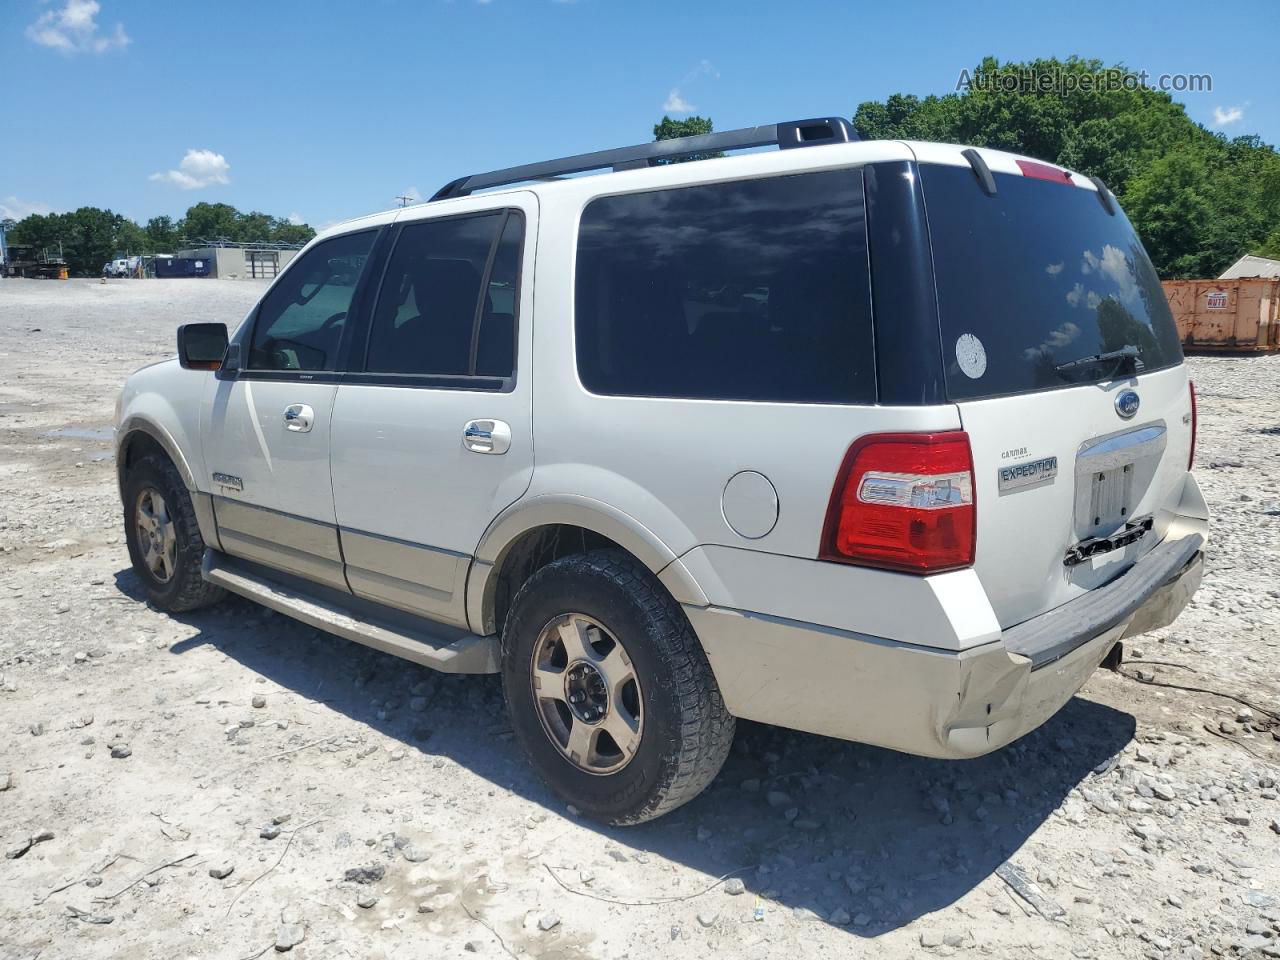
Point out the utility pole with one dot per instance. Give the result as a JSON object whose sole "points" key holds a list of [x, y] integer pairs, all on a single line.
{"points": [[405, 201]]}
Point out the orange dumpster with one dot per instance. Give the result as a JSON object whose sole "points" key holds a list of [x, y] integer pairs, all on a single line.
{"points": [[1239, 316]]}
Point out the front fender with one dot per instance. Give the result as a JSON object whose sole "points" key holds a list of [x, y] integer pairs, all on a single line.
{"points": [[162, 402], [128, 431]]}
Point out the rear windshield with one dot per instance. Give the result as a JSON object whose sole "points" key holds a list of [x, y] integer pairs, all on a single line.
{"points": [[750, 290], [1034, 277]]}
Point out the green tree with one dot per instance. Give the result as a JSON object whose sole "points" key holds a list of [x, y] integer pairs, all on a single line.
{"points": [[162, 235], [210, 221], [1197, 199], [89, 237], [1270, 247], [668, 129]]}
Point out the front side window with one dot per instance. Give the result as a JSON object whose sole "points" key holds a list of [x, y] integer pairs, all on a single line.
{"points": [[300, 320], [750, 290], [447, 304]]}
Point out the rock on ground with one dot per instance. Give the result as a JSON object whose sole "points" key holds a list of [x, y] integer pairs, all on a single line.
{"points": [[1146, 812]]}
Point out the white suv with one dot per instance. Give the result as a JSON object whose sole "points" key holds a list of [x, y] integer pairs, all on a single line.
{"points": [[752, 436]]}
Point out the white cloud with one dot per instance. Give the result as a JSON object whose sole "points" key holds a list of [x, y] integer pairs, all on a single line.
{"points": [[1116, 266], [73, 28], [199, 168], [705, 68], [1222, 116], [296, 219], [13, 208], [1056, 340], [1053, 269], [1074, 295], [677, 104]]}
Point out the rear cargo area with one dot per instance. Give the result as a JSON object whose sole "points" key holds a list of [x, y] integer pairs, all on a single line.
{"points": [[1062, 357]]}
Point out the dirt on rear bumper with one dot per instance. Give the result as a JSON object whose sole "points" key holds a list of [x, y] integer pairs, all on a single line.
{"points": [[910, 698]]}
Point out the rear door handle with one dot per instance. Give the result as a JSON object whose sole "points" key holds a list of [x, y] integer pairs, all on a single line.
{"points": [[298, 417], [486, 436]]}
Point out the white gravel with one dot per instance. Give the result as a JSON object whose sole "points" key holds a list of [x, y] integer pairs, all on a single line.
{"points": [[1131, 811]]}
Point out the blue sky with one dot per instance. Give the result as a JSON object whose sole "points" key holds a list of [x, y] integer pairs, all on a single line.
{"points": [[327, 111]]}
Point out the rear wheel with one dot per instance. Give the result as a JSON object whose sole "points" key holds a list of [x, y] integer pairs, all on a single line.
{"points": [[165, 545], [609, 690]]}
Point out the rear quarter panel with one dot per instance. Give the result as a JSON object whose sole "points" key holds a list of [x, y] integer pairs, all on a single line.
{"points": [[666, 461]]}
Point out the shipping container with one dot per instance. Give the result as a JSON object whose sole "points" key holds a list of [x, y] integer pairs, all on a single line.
{"points": [[181, 267], [1240, 316]]}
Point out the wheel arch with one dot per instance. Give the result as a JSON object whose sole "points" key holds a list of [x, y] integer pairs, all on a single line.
{"points": [[531, 534], [135, 438]]}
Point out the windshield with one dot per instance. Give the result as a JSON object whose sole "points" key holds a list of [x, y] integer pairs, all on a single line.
{"points": [[1035, 277]]}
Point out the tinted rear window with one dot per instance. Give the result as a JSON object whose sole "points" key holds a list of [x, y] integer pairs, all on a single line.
{"points": [[752, 290], [1038, 275]]}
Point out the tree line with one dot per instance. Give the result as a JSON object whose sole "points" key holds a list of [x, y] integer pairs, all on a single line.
{"points": [[89, 237], [1198, 199]]}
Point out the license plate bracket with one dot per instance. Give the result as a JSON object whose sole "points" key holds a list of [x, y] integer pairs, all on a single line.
{"points": [[1113, 474], [1109, 498]]}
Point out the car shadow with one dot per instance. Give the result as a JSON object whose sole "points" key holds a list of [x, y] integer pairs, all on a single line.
{"points": [[860, 836]]}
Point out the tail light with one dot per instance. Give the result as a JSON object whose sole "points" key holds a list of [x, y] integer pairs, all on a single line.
{"points": [[1191, 458], [904, 501]]}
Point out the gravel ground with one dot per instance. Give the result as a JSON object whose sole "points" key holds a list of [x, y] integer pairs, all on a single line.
{"points": [[230, 783]]}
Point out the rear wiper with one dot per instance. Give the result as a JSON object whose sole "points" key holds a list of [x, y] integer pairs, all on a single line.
{"points": [[1125, 356]]}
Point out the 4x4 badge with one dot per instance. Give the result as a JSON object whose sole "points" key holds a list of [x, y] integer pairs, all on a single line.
{"points": [[1127, 403], [227, 480]]}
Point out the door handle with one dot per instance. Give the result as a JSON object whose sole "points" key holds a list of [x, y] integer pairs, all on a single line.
{"points": [[486, 436], [298, 417]]}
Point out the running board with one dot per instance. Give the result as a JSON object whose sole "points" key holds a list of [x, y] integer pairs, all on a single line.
{"points": [[450, 650]]}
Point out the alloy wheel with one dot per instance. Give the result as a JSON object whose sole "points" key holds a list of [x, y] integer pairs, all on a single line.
{"points": [[587, 694], [156, 534]]}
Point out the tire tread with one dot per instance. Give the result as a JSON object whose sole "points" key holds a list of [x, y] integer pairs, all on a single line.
{"points": [[706, 728], [194, 591]]}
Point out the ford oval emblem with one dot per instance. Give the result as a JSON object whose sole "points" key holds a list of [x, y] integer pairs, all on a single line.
{"points": [[1127, 403]]}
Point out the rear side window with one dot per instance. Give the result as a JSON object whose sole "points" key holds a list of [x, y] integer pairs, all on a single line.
{"points": [[448, 299], [1034, 277], [300, 321], [751, 290]]}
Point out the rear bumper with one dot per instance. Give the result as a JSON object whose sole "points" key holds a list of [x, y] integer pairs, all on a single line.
{"points": [[934, 702]]}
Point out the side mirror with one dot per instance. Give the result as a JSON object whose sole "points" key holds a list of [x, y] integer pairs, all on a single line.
{"points": [[201, 346]]}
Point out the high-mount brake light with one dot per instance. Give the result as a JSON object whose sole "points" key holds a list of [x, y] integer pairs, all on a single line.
{"points": [[904, 501], [1042, 171], [1195, 424]]}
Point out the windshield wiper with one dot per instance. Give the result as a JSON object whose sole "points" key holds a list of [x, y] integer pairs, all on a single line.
{"points": [[1126, 356]]}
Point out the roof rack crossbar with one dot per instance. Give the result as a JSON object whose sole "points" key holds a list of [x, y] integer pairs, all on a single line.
{"points": [[795, 133]]}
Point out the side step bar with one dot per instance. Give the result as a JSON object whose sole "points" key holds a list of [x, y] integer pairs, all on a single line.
{"points": [[451, 651]]}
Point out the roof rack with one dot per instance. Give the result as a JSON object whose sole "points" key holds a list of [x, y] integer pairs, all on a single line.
{"points": [[794, 133]]}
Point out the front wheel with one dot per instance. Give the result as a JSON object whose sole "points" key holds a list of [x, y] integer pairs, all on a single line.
{"points": [[609, 690], [164, 539]]}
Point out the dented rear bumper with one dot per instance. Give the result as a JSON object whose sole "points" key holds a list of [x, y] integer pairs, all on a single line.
{"points": [[933, 702]]}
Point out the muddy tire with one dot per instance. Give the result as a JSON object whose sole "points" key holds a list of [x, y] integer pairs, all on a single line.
{"points": [[609, 690], [164, 540]]}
